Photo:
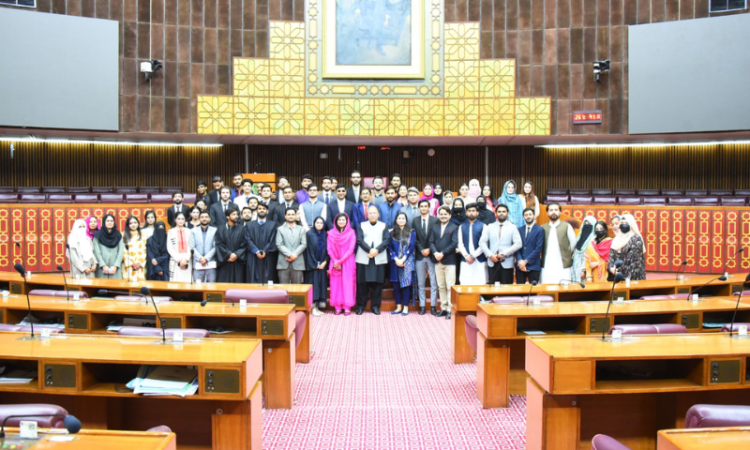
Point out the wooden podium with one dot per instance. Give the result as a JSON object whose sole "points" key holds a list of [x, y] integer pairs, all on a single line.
{"points": [[266, 178]]}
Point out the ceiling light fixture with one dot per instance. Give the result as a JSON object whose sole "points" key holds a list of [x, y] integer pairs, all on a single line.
{"points": [[122, 143]]}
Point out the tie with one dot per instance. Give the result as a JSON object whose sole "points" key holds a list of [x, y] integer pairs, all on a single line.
{"points": [[364, 210], [424, 225], [500, 231], [261, 222], [225, 208], [527, 232], [442, 230], [413, 211]]}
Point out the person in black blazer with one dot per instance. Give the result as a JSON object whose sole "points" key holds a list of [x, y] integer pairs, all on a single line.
{"points": [[340, 205], [443, 244], [217, 210], [353, 192], [176, 207], [529, 258], [215, 195], [289, 200], [422, 226]]}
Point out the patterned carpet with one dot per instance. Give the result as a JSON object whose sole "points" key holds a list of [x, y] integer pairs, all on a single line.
{"points": [[388, 383]]}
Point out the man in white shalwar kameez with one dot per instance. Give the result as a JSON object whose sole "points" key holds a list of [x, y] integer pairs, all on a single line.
{"points": [[559, 242]]}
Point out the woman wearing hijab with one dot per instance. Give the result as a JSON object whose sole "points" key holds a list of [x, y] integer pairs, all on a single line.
{"points": [[458, 212], [148, 228], [316, 264], [438, 189], [134, 267], [485, 216], [157, 254], [628, 247], [529, 198], [81, 251], [342, 243], [178, 246], [92, 226], [401, 260], [582, 244], [514, 202], [429, 195], [488, 195], [597, 254], [109, 250], [475, 190]]}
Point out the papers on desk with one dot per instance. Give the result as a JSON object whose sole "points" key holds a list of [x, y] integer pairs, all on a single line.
{"points": [[209, 265], [713, 325], [533, 332], [165, 381], [18, 376], [47, 325]]}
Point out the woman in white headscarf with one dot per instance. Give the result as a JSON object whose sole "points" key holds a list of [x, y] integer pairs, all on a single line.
{"points": [[81, 251], [475, 190], [628, 246]]}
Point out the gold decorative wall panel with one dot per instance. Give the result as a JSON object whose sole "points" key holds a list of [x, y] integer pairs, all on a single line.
{"points": [[460, 94]]}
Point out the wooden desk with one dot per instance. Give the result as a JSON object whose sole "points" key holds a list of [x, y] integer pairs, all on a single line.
{"points": [[299, 294], [704, 439], [273, 323], [582, 386], [86, 376], [466, 298], [501, 342], [99, 439]]}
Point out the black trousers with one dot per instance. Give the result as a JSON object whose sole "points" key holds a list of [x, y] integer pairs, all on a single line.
{"points": [[531, 275], [372, 290], [500, 274]]}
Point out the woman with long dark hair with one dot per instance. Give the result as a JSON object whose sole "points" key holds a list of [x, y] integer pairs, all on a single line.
{"points": [[148, 228], [401, 260], [134, 267]]}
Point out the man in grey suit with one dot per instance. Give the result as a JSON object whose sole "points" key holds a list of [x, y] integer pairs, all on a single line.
{"points": [[291, 241], [204, 254], [499, 242]]}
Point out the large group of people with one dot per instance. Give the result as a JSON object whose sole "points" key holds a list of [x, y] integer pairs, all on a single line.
{"points": [[353, 238]]}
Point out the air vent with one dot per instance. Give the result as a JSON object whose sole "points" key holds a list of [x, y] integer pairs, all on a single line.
{"points": [[726, 5], [22, 3]]}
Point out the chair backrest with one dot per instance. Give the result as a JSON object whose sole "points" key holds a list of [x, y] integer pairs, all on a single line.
{"points": [[624, 192], [557, 192], [558, 198], [38, 327], [161, 198], [60, 198], [156, 332], [7, 189], [8, 198], [511, 299], [579, 192], [666, 297], [111, 198], [605, 200], [680, 201], [629, 200], [53, 189], [735, 327], [733, 201], [604, 442], [57, 293], [670, 328], [604, 192], [86, 198], [257, 295], [102, 189], [654, 201], [63, 293], [299, 327], [44, 410], [170, 189], [33, 198], [29, 189], [706, 201], [741, 193], [148, 189], [695, 192], [189, 198], [720, 192], [648, 192], [635, 329], [672, 192], [126, 189], [581, 199], [714, 416], [9, 327], [136, 198], [470, 328], [136, 298], [79, 190]]}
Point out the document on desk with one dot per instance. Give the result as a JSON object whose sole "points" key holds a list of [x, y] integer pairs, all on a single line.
{"points": [[169, 377], [534, 332], [209, 265]]}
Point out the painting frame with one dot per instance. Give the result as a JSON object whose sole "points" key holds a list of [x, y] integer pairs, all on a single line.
{"points": [[331, 69]]}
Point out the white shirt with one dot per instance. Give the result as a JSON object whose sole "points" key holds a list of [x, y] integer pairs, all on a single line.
{"points": [[473, 251], [342, 204]]}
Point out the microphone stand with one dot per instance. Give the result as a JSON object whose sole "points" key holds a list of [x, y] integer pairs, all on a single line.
{"points": [[531, 286], [146, 292], [20, 269], [682, 270], [618, 278], [192, 277], [742, 249], [693, 291], [67, 291], [20, 249], [739, 299]]}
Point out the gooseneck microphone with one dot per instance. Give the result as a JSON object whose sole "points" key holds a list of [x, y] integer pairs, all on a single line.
{"points": [[102, 292], [742, 249], [72, 424], [146, 292], [739, 299], [571, 281], [532, 284], [65, 280], [693, 291], [204, 302], [618, 279], [192, 278], [21, 271], [682, 269]]}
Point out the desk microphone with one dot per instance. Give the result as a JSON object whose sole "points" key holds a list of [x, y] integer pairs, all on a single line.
{"points": [[559, 283], [20, 269], [742, 249], [203, 303], [739, 298], [103, 292], [146, 292], [682, 269], [72, 424], [693, 291], [65, 280], [618, 279], [192, 278], [533, 283]]}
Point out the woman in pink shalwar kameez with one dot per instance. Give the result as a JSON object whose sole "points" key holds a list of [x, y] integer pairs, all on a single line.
{"points": [[342, 242]]}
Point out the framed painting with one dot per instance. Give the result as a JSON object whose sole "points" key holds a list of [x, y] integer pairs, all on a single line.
{"points": [[373, 39]]}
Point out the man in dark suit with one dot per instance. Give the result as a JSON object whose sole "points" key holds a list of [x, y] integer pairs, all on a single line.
{"points": [[529, 257], [288, 201], [359, 213], [218, 210], [443, 244], [353, 191], [340, 205], [215, 194], [176, 207], [265, 198], [422, 226]]}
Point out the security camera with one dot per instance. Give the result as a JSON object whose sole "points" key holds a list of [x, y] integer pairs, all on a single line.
{"points": [[600, 67], [149, 67]]}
